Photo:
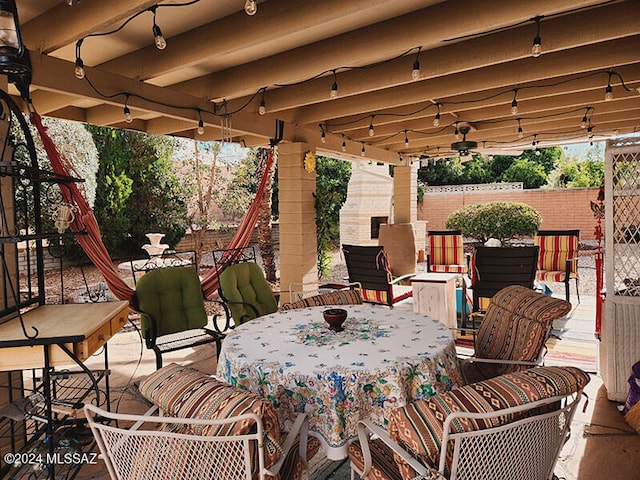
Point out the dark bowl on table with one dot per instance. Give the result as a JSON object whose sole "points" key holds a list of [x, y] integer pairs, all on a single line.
{"points": [[335, 317]]}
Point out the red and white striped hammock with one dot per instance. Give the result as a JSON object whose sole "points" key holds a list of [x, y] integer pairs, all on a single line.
{"points": [[91, 243]]}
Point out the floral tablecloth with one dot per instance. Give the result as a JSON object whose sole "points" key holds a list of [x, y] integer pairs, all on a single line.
{"points": [[383, 359]]}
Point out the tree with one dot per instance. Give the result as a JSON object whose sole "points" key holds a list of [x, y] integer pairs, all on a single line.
{"points": [[138, 191], [332, 180], [443, 171], [531, 174], [265, 239]]}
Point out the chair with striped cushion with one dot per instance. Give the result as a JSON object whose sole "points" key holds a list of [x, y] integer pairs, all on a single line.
{"points": [[558, 258], [513, 332], [445, 252], [512, 426], [369, 266]]}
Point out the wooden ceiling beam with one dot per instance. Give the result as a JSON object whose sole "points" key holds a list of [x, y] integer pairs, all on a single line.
{"points": [[426, 27], [61, 25], [576, 61]]}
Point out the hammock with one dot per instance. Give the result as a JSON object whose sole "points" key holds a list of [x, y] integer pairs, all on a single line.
{"points": [[91, 243]]}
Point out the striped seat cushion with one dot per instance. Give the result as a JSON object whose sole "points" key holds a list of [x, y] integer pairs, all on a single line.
{"points": [[446, 253], [339, 297], [384, 465], [187, 393], [516, 324], [555, 250], [418, 427]]}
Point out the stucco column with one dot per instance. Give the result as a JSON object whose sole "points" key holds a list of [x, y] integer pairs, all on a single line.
{"points": [[296, 206], [405, 194]]}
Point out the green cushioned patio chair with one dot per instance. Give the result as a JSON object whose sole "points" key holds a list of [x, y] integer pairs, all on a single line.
{"points": [[245, 292], [172, 311]]}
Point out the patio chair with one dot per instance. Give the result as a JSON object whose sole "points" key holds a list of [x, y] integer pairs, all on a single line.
{"points": [[510, 427], [161, 448], [512, 333], [558, 259], [494, 268], [445, 252], [172, 311], [245, 292], [369, 266]]}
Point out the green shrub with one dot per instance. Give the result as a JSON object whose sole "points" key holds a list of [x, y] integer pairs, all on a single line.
{"points": [[501, 220]]}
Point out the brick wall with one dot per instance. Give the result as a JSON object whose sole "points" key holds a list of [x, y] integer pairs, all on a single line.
{"points": [[560, 208]]}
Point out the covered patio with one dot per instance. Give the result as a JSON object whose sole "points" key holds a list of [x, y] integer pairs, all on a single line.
{"points": [[397, 82]]}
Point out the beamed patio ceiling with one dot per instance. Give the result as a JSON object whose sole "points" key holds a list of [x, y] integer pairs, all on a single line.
{"points": [[475, 60]]}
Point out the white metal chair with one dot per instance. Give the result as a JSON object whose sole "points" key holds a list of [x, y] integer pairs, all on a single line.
{"points": [[526, 449], [162, 448]]}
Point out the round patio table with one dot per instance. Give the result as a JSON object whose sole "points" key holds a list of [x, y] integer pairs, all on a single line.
{"points": [[384, 358]]}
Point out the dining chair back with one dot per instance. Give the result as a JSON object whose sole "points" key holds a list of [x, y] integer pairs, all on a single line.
{"points": [[172, 311], [494, 268], [245, 292], [445, 252], [558, 257], [369, 266]]}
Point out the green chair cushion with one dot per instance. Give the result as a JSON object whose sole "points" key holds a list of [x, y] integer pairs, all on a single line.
{"points": [[173, 298], [242, 284]]}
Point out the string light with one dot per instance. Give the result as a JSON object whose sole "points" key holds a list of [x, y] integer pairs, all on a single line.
{"points": [[200, 124], [590, 132], [608, 91], [79, 71], [536, 49], [362, 152], [585, 120], [334, 87], [250, 7], [514, 103], [344, 144], [262, 109], [406, 140], [127, 113], [415, 72], [158, 38], [436, 120], [323, 135], [371, 130], [520, 132]]}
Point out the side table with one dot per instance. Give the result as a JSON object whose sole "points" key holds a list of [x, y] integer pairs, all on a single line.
{"points": [[434, 294]]}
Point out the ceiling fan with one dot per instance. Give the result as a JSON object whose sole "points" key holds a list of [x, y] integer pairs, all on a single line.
{"points": [[463, 146]]}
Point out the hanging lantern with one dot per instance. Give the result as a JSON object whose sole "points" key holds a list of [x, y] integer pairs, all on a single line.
{"points": [[13, 55]]}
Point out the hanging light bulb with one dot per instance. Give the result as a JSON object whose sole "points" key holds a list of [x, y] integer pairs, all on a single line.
{"points": [[362, 152], [79, 71], [371, 130], [158, 39], [415, 72], [406, 140], [536, 49], [323, 135], [520, 132], [127, 113], [250, 7], [608, 91], [262, 109], [590, 132], [436, 119], [456, 133], [584, 122], [344, 144], [334, 87], [514, 103], [200, 124]]}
